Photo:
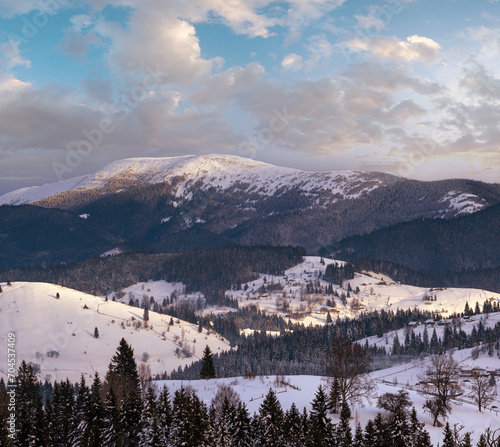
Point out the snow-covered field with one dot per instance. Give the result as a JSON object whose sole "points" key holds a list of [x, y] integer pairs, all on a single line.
{"points": [[302, 389], [43, 323]]}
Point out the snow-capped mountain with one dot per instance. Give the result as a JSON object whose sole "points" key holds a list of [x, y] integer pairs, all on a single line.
{"points": [[222, 172], [178, 203]]}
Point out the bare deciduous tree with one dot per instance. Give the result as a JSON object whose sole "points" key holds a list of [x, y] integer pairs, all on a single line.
{"points": [[440, 382], [482, 392], [349, 364]]}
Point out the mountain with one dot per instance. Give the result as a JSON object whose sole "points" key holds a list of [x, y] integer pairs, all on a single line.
{"points": [[208, 201], [468, 242]]}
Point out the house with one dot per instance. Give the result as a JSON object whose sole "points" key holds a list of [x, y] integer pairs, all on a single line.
{"points": [[429, 321]]}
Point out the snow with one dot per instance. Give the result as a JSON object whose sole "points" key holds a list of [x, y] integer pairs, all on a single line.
{"points": [[42, 323], [113, 252], [376, 292], [214, 170], [301, 389], [464, 203], [160, 290]]}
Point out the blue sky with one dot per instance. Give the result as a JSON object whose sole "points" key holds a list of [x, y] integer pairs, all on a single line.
{"points": [[409, 87]]}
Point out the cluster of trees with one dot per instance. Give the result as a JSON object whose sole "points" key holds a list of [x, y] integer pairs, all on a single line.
{"points": [[480, 278], [122, 411], [209, 271], [337, 274], [299, 349]]}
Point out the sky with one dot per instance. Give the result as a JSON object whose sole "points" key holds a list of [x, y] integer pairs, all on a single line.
{"points": [[408, 87]]}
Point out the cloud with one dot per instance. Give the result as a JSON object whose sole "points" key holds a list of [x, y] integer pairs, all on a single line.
{"points": [[292, 62], [153, 38], [375, 75], [415, 48], [11, 55]]}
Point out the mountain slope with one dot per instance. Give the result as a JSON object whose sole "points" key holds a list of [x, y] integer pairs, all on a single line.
{"points": [[468, 242], [154, 204], [43, 323], [31, 235]]}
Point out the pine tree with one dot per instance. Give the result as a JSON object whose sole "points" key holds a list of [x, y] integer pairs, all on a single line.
{"points": [[294, 428], [207, 365], [482, 441], [381, 438], [448, 440], [27, 395], [150, 435], [80, 430], [328, 318], [241, 435], [344, 432], [398, 428], [39, 437], [122, 372], [111, 421], [130, 412], [466, 441], [271, 421], [145, 315], [334, 397], [369, 435], [358, 437], [95, 414], [224, 422], [96, 332], [164, 414], [320, 425]]}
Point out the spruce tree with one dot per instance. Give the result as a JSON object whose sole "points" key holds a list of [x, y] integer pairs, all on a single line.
{"points": [[320, 425], [448, 440], [369, 436], [293, 427], [207, 365], [271, 421], [80, 433], [122, 372], [96, 332], [344, 432], [150, 434], [223, 423], [145, 315], [482, 441], [164, 414], [241, 435], [111, 421], [466, 441], [95, 414], [358, 437], [27, 395], [39, 435], [334, 397]]}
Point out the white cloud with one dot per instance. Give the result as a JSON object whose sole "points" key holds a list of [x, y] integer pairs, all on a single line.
{"points": [[11, 55], [292, 62], [155, 39], [415, 48]]}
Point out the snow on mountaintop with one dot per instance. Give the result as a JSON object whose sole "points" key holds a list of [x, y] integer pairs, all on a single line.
{"points": [[43, 323], [220, 171]]}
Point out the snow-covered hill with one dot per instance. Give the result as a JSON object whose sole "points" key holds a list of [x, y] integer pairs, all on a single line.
{"points": [[369, 292], [43, 323]]}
